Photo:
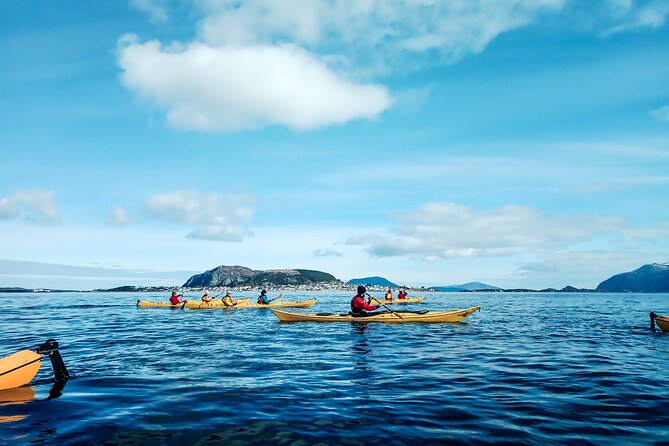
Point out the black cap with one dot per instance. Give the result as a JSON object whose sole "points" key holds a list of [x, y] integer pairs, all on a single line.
{"points": [[361, 290]]}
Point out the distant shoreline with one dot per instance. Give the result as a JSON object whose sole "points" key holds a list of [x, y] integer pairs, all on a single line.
{"points": [[309, 287]]}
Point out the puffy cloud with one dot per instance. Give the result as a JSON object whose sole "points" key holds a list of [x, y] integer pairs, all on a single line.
{"points": [[266, 62], [215, 217], [118, 217], [446, 230], [36, 206], [234, 88]]}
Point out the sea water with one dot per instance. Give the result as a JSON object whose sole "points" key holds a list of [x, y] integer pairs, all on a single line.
{"points": [[528, 369]]}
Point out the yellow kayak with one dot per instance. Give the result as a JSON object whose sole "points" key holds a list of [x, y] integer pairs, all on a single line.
{"points": [[408, 300], [386, 316], [145, 303], [279, 304], [661, 321], [20, 368], [195, 305]]}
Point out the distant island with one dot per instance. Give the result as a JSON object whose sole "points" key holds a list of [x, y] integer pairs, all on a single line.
{"points": [[33, 290], [373, 281], [653, 278], [469, 286], [234, 276]]}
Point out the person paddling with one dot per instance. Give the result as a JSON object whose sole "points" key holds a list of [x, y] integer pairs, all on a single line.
{"points": [[389, 294], [402, 294], [263, 299], [358, 305], [206, 297], [228, 301], [175, 299]]}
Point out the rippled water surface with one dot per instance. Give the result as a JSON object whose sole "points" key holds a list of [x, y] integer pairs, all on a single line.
{"points": [[529, 368]]}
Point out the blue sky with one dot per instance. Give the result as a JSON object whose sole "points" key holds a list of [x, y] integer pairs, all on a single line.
{"points": [[518, 143]]}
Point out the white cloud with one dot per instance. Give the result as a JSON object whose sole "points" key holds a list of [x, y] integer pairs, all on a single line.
{"points": [[36, 206], [118, 217], [454, 28], [215, 217], [327, 253], [291, 62], [661, 113], [445, 230], [234, 88], [650, 15], [156, 11]]}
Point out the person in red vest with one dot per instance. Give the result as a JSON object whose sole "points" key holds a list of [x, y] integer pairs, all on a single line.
{"points": [[175, 298], [402, 294], [358, 305]]}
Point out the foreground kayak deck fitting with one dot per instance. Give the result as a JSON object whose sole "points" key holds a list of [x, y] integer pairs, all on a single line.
{"points": [[396, 317], [21, 367]]}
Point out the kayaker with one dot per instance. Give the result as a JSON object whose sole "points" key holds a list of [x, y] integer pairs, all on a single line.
{"points": [[175, 299], [402, 294], [228, 301], [263, 299], [389, 294], [358, 305], [206, 297]]}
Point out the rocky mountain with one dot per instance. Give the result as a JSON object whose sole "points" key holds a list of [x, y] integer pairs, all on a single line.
{"points": [[374, 280], [653, 278], [231, 276], [469, 286]]}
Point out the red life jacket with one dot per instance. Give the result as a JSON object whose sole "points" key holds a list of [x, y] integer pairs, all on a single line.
{"points": [[359, 306], [175, 299]]}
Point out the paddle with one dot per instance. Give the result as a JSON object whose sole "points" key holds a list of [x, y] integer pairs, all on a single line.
{"points": [[276, 298], [383, 305]]}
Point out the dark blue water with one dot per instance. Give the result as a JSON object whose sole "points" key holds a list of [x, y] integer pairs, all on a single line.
{"points": [[528, 369]]}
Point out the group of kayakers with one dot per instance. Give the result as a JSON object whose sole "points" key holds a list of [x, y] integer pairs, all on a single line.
{"points": [[359, 306], [401, 294], [228, 301]]}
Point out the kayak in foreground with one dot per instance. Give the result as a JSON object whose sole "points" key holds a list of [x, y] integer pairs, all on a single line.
{"points": [[661, 321], [281, 304], [408, 300], [21, 367], [386, 316]]}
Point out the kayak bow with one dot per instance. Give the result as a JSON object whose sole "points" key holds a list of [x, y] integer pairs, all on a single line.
{"points": [[20, 368]]}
